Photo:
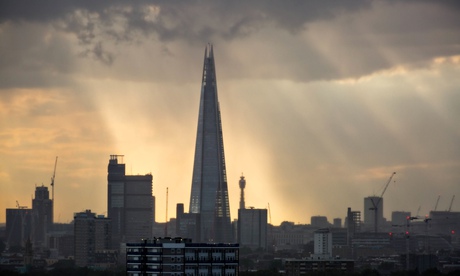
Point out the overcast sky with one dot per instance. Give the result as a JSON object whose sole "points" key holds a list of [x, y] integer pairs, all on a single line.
{"points": [[321, 101]]}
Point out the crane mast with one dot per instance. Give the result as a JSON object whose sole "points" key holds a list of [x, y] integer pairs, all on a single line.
{"points": [[375, 205], [437, 201], [52, 188], [451, 202]]}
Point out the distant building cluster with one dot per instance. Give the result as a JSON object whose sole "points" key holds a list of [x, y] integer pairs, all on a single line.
{"points": [[210, 243]]}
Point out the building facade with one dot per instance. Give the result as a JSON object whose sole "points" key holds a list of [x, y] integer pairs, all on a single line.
{"points": [[167, 256], [92, 236], [209, 193], [129, 203], [322, 239], [252, 228]]}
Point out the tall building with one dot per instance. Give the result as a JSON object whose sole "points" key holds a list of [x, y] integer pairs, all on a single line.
{"points": [[166, 256], [370, 203], [18, 226], [42, 216], [322, 243], [252, 228], [129, 203], [92, 235], [209, 193], [242, 186]]}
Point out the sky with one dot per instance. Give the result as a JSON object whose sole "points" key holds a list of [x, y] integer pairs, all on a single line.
{"points": [[321, 101]]}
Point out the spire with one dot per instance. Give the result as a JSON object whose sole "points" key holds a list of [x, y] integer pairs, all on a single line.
{"points": [[209, 194]]}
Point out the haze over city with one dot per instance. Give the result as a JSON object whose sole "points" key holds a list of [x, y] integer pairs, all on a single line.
{"points": [[320, 102]]}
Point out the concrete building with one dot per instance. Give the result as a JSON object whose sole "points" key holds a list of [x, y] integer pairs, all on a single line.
{"points": [[130, 203], [209, 193], [92, 235], [167, 256], [322, 239], [252, 228]]}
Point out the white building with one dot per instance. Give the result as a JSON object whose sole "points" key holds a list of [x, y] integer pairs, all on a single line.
{"points": [[322, 244]]}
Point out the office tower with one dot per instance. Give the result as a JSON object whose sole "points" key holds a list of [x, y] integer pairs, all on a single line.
{"points": [[252, 228], [166, 256], [18, 226], [242, 186], [370, 203], [92, 235], [129, 203], [42, 215], [209, 193]]}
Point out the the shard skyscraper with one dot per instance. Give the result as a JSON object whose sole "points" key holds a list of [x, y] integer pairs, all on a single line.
{"points": [[209, 195]]}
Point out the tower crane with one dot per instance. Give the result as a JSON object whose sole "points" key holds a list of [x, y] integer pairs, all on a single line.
{"points": [[437, 201], [452, 201], [52, 189], [376, 204]]}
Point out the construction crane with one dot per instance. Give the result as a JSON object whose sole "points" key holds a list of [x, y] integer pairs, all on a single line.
{"points": [[437, 201], [52, 188], [269, 213], [376, 204], [166, 221], [19, 206], [451, 202]]}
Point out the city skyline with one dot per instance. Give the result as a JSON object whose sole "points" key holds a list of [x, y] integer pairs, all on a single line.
{"points": [[320, 102]]}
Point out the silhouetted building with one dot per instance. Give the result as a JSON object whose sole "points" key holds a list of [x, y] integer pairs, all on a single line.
{"points": [[187, 224], [130, 203], [42, 220], [18, 226], [92, 234], [166, 256], [319, 221], [242, 186], [353, 223], [399, 218], [252, 228], [370, 203], [209, 193], [337, 223]]}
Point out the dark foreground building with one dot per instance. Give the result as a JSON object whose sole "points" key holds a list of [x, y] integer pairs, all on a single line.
{"points": [[209, 194], [177, 256]]}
